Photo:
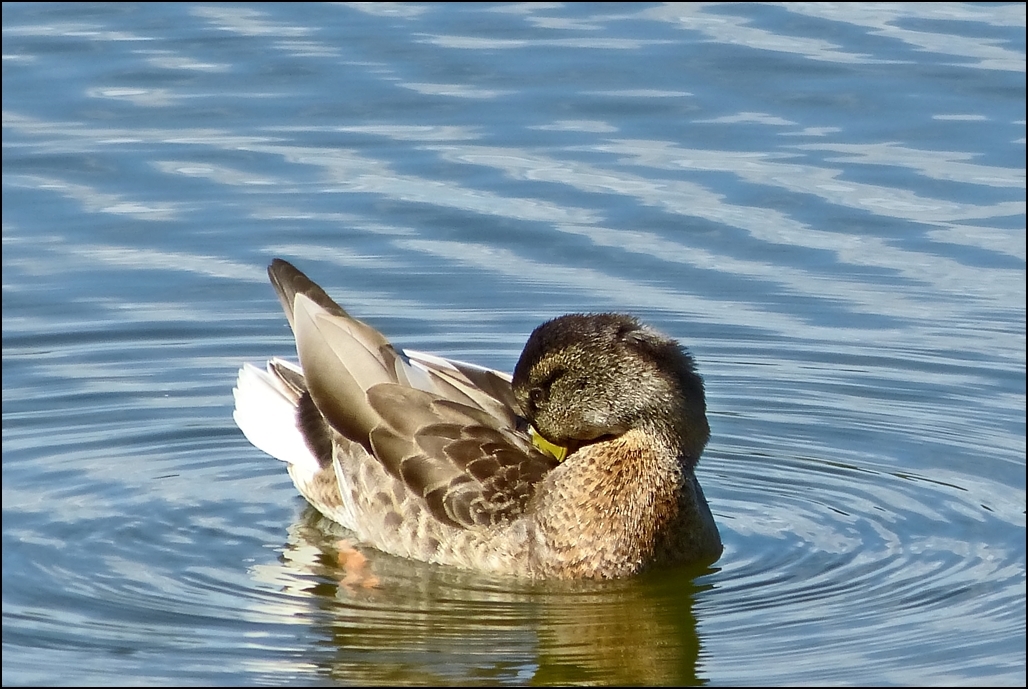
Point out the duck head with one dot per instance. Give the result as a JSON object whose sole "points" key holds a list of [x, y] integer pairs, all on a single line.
{"points": [[585, 378]]}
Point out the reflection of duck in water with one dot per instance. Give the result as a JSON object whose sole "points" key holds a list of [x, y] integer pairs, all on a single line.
{"points": [[425, 625], [430, 459]]}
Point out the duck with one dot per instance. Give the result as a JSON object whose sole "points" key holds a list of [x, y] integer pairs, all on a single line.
{"points": [[579, 465]]}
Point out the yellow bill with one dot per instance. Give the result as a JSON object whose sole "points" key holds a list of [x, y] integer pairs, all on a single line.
{"points": [[546, 446]]}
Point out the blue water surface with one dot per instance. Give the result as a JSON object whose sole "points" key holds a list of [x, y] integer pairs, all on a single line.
{"points": [[824, 202]]}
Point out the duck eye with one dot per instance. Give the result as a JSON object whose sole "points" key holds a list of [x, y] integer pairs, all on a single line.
{"points": [[537, 396]]}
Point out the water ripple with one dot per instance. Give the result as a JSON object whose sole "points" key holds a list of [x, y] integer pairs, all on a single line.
{"points": [[824, 202]]}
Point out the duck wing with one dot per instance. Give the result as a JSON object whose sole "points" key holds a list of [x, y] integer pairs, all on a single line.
{"points": [[477, 386], [447, 431], [468, 466]]}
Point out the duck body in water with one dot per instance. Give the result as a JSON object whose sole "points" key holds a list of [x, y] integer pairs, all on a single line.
{"points": [[581, 465]]}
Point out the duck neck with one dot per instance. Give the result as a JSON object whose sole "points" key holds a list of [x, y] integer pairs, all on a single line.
{"points": [[619, 495], [683, 429]]}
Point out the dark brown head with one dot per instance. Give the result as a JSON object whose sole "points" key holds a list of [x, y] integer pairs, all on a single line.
{"points": [[589, 377]]}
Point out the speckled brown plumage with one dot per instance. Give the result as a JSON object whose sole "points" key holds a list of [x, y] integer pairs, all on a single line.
{"points": [[431, 459]]}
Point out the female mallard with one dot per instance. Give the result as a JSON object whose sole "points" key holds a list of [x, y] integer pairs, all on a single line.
{"points": [[434, 459]]}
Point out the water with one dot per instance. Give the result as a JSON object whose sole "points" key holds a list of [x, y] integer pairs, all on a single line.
{"points": [[825, 203]]}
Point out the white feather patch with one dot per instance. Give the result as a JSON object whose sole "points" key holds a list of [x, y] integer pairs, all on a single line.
{"points": [[266, 414]]}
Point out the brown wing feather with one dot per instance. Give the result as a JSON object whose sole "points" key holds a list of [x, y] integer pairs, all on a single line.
{"points": [[481, 387], [458, 448], [288, 282], [470, 470]]}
